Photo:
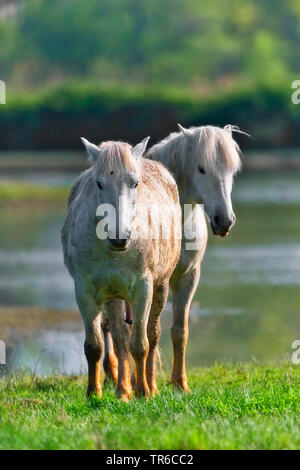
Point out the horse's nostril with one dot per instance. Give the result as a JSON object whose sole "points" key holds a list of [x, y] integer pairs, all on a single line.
{"points": [[224, 222], [118, 243], [217, 219]]}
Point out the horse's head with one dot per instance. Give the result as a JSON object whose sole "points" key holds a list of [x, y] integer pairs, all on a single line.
{"points": [[213, 159], [116, 175]]}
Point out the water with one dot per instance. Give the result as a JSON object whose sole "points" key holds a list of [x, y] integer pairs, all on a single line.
{"points": [[246, 307]]}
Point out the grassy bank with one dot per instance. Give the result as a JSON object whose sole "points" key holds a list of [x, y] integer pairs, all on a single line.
{"points": [[16, 192], [230, 407], [23, 322]]}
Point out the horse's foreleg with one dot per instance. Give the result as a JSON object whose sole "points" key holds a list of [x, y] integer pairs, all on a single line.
{"points": [[110, 361], [139, 344], [114, 309], [160, 295], [183, 289], [93, 346]]}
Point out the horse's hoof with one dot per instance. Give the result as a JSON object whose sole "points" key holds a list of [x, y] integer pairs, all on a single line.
{"points": [[154, 391], [181, 385], [142, 392], [94, 391], [124, 395]]}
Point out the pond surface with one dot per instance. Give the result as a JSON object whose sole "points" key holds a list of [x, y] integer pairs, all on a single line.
{"points": [[247, 306]]}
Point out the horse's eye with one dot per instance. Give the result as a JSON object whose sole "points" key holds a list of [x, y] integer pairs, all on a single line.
{"points": [[99, 185], [135, 185], [201, 170]]}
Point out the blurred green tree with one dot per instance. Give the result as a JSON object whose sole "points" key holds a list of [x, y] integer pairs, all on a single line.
{"points": [[183, 43]]}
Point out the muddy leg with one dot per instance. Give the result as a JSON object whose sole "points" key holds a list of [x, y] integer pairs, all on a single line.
{"points": [[110, 361], [160, 295], [93, 346], [139, 344], [121, 336], [183, 291]]}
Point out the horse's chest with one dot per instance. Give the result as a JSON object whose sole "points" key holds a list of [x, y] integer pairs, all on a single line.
{"points": [[112, 279]]}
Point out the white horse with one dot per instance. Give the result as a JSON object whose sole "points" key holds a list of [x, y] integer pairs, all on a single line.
{"points": [[126, 266], [203, 161]]}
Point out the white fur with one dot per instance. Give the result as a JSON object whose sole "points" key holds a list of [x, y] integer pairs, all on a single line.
{"points": [[213, 150], [208, 147]]}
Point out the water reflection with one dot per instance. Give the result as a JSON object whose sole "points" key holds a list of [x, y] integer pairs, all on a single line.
{"points": [[36, 277], [275, 264], [268, 188], [51, 352]]}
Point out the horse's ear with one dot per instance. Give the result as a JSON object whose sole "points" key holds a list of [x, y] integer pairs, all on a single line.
{"points": [[140, 148], [186, 132], [92, 149], [229, 128]]}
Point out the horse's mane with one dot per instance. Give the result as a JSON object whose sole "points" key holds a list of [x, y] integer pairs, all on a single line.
{"points": [[211, 147], [115, 155]]}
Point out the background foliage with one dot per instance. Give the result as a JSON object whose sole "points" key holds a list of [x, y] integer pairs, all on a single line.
{"points": [[125, 68], [55, 118], [187, 43]]}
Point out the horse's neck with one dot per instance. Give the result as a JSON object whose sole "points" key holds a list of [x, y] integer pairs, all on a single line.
{"points": [[88, 196], [194, 228], [162, 154], [188, 207]]}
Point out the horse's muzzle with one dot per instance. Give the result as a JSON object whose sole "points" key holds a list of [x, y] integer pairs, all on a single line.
{"points": [[221, 225], [119, 244]]}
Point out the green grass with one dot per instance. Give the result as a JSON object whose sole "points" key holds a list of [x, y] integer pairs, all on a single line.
{"points": [[230, 407], [12, 192]]}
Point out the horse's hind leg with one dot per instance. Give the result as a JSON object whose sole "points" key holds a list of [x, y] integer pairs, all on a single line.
{"points": [[120, 331], [139, 344], [160, 295], [93, 346], [110, 361], [183, 289]]}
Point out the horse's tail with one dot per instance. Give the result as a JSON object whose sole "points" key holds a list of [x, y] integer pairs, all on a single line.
{"points": [[158, 359]]}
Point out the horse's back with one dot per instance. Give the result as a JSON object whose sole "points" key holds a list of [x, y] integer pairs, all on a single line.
{"points": [[159, 180], [160, 192]]}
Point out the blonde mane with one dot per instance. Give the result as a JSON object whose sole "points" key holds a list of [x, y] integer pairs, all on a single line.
{"points": [[116, 156], [211, 147]]}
